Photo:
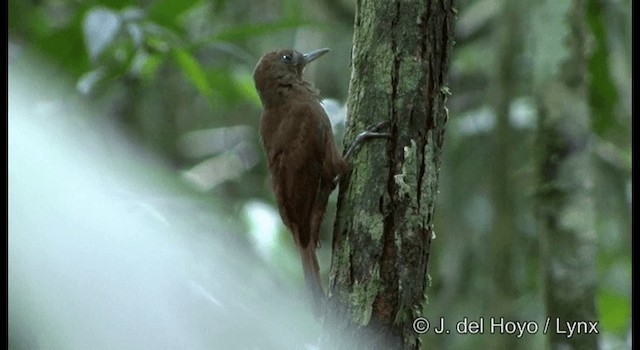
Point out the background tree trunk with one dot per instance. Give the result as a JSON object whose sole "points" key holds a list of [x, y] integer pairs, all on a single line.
{"points": [[383, 226], [565, 205], [504, 245]]}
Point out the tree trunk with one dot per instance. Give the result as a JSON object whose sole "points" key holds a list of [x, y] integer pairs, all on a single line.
{"points": [[503, 241], [564, 204], [383, 226]]}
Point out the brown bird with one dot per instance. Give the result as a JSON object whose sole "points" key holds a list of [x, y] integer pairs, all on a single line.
{"points": [[302, 157]]}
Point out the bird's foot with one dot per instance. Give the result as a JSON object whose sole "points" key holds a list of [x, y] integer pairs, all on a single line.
{"points": [[371, 132], [377, 127]]}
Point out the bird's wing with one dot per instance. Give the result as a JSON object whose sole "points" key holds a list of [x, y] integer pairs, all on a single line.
{"points": [[296, 164]]}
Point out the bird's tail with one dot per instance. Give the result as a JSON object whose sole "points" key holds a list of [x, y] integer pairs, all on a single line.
{"points": [[312, 277]]}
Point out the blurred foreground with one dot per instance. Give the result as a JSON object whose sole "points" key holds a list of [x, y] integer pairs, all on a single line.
{"points": [[108, 251]]}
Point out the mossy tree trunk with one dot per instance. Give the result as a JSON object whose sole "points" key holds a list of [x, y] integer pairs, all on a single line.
{"points": [[383, 226], [564, 203]]}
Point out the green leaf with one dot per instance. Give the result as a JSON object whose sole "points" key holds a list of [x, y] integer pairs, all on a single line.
{"points": [[193, 71], [64, 45], [161, 39], [150, 66], [602, 91], [246, 88], [615, 311], [234, 86], [167, 12]]}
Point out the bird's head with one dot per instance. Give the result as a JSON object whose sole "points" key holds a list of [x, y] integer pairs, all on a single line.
{"points": [[282, 68]]}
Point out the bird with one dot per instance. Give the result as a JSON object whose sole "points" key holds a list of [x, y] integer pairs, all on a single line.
{"points": [[303, 160]]}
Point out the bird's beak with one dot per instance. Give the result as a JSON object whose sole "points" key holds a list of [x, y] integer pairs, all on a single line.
{"points": [[310, 56]]}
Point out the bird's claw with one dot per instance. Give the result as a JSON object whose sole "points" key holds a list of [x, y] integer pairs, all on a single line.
{"points": [[377, 127], [370, 132]]}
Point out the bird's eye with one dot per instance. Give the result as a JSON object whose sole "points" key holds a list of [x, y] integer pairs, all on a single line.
{"points": [[286, 58]]}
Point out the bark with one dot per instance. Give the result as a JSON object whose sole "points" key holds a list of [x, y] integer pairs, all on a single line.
{"points": [[565, 204], [384, 223]]}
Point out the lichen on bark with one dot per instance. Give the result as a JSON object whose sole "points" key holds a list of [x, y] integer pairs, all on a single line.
{"points": [[385, 212]]}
